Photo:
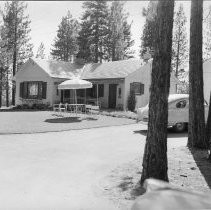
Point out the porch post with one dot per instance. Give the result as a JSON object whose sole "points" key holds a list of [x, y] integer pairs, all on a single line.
{"points": [[97, 94], [63, 96], [85, 96]]}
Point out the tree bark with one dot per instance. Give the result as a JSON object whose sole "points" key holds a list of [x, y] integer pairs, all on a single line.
{"points": [[196, 127], [13, 73], [1, 81], [155, 153], [7, 88], [208, 125]]}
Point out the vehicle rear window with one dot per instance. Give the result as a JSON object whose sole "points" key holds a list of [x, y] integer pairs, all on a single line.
{"points": [[181, 104]]}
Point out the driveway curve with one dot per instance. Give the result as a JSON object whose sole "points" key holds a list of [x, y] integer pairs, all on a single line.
{"points": [[64, 170]]}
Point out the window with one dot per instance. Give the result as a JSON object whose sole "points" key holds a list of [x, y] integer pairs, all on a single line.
{"points": [[101, 90], [137, 87], [119, 92], [181, 104], [33, 90]]}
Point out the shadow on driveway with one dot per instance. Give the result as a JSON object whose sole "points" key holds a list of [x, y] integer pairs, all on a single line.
{"points": [[204, 165], [171, 134]]}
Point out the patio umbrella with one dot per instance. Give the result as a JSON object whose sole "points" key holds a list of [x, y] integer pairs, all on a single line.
{"points": [[75, 83]]}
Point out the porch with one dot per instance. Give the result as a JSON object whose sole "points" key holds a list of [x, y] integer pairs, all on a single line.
{"points": [[107, 93]]}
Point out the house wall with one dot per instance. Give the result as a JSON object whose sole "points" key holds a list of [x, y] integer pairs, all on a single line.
{"points": [[105, 100], [143, 75], [56, 98], [207, 79], [30, 71]]}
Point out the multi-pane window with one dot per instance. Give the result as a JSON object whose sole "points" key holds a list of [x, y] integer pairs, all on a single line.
{"points": [[137, 87], [33, 90]]}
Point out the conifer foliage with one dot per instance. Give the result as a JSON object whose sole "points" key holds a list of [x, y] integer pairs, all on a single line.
{"points": [[119, 41], [148, 36], [94, 30], [65, 43], [15, 36], [180, 42], [41, 51]]}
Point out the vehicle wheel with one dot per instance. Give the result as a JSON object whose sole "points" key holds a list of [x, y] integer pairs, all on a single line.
{"points": [[179, 127]]}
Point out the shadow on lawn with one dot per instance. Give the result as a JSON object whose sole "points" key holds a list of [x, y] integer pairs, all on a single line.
{"points": [[171, 133], [64, 120], [60, 119], [204, 165]]}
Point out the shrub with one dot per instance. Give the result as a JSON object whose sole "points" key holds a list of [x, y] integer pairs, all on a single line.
{"points": [[131, 101]]}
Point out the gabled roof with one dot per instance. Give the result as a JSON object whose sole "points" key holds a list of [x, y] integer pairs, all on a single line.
{"points": [[115, 69], [58, 69]]}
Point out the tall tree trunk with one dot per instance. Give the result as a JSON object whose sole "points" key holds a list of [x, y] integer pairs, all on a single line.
{"points": [[208, 125], [7, 88], [1, 81], [196, 128], [177, 62], [178, 51], [96, 42], [13, 73], [155, 153]]}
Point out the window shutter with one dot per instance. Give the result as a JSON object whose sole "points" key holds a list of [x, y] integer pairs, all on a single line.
{"points": [[39, 95], [21, 90], [101, 90], [44, 90], [25, 89]]}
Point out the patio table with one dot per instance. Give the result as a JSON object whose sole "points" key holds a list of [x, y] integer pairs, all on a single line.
{"points": [[76, 108]]}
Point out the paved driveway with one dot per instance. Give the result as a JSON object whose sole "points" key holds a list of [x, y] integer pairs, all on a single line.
{"points": [[64, 169]]}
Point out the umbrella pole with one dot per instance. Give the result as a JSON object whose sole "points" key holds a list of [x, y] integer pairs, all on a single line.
{"points": [[76, 102], [97, 94], [63, 96], [85, 96]]}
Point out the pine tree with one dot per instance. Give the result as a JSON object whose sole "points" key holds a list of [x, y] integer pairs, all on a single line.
{"points": [[65, 44], [207, 35], [155, 153], [148, 36], [196, 125], [179, 45], [208, 127], [16, 36], [94, 31], [119, 40], [41, 51], [3, 69]]}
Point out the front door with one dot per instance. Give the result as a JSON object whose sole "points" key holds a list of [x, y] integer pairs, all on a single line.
{"points": [[112, 96]]}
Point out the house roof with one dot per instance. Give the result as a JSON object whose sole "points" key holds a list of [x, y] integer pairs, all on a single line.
{"points": [[109, 70], [115, 69], [58, 69]]}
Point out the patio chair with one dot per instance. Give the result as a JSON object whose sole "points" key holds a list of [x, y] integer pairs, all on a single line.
{"points": [[95, 109], [88, 108], [56, 107]]}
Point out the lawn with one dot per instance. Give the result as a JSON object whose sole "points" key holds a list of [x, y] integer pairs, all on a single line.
{"points": [[45, 121]]}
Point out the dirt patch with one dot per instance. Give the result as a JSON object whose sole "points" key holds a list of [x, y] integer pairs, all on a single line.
{"points": [[187, 169]]}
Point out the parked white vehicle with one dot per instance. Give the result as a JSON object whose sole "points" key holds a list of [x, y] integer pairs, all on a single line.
{"points": [[178, 112]]}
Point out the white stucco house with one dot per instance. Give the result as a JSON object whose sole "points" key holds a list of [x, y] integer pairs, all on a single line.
{"points": [[37, 82], [207, 79]]}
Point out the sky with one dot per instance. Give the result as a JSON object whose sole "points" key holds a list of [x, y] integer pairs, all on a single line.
{"points": [[45, 17]]}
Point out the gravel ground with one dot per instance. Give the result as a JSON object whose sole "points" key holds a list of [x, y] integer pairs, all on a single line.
{"points": [[187, 169], [45, 121]]}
